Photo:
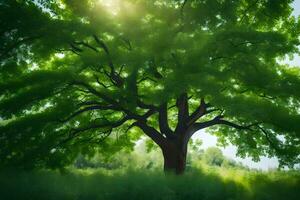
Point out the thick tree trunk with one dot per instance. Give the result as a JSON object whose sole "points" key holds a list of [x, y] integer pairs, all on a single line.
{"points": [[174, 153]]}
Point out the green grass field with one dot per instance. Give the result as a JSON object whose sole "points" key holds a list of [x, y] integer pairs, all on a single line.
{"points": [[199, 184]]}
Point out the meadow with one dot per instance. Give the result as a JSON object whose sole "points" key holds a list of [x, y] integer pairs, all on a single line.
{"points": [[132, 176]]}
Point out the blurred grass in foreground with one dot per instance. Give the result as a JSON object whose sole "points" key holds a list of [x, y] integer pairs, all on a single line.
{"points": [[215, 183], [138, 175]]}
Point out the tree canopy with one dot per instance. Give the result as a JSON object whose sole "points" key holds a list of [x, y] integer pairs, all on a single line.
{"points": [[82, 77]]}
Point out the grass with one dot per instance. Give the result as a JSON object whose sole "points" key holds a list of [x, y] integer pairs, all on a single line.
{"points": [[213, 184]]}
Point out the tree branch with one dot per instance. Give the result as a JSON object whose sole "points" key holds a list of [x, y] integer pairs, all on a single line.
{"points": [[198, 113], [100, 83], [219, 121], [115, 77], [146, 106], [85, 44], [183, 111], [146, 78], [269, 139], [127, 43], [163, 121], [151, 132], [105, 98], [90, 108], [75, 132], [88, 103], [248, 9], [116, 104]]}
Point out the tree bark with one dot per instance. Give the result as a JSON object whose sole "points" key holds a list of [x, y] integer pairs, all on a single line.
{"points": [[174, 152]]}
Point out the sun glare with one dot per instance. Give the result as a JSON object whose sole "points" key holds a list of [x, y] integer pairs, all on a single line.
{"points": [[116, 7], [113, 6]]}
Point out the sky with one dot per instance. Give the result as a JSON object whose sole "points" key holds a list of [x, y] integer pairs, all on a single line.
{"points": [[296, 6], [230, 151]]}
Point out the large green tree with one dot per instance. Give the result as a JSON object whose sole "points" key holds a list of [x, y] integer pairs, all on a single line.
{"points": [[91, 75]]}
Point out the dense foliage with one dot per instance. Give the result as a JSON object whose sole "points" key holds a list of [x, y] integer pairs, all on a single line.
{"points": [[80, 78]]}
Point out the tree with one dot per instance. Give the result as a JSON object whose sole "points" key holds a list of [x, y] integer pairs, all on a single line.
{"points": [[214, 156], [80, 78]]}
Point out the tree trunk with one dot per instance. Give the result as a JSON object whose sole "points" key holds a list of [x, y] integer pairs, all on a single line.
{"points": [[174, 153]]}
